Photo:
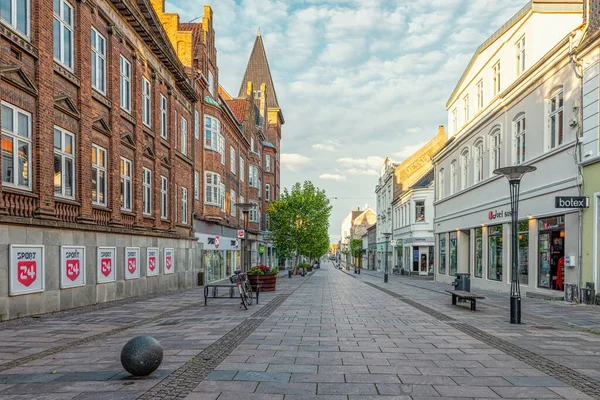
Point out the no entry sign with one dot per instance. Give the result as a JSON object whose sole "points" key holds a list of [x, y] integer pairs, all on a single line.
{"points": [[132, 262], [106, 264], [169, 261], [72, 266], [26, 269], [152, 261]]}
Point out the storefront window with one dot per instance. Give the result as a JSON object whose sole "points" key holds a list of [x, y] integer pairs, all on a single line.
{"points": [[551, 252], [453, 253], [431, 259], [479, 252], [495, 246], [214, 265], [524, 252], [443, 254]]}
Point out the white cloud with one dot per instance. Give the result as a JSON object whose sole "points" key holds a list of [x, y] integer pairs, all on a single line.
{"points": [[368, 172], [329, 145], [333, 177], [367, 162], [408, 151], [293, 161]]}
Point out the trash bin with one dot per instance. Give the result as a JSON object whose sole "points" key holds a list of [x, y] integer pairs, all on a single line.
{"points": [[290, 273], [462, 281]]}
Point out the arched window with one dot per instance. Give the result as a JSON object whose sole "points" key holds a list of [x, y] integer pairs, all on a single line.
{"points": [[478, 156], [495, 154], [464, 169], [519, 130], [453, 177], [441, 184], [555, 119]]}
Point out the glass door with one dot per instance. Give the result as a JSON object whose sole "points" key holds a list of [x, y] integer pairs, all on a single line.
{"points": [[423, 260], [544, 277]]}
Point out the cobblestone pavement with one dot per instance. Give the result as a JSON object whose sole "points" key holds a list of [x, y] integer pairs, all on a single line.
{"points": [[331, 335]]}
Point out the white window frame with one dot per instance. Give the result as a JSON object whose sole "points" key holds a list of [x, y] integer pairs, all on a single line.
{"points": [[495, 149], [253, 180], [480, 99], [496, 73], [232, 158], [16, 138], [232, 200], [467, 115], [520, 55], [211, 83], [268, 162], [212, 190], [267, 192], [441, 184], [64, 27], [146, 191], [519, 135], [196, 125], [13, 19], [253, 214], [146, 102], [241, 202], [453, 177], [97, 169], [184, 136], [222, 196], [214, 131], [125, 83], [196, 187], [64, 156], [556, 120], [464, 169], [252, 144], [98, 58], [164, 117], [184, 205], [242, 170], [126, 184], [222, 148], [478, 157], [454, 120], [164, 197]]}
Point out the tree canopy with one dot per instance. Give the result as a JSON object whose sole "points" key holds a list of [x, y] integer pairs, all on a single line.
{"points": [[300, 221]]}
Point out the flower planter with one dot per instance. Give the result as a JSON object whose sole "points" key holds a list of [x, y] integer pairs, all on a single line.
{"points": [[309, 269], [267, 283]]}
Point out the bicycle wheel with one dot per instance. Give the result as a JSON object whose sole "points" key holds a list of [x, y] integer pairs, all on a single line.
{"points": [[248, 290], [243, 297]]}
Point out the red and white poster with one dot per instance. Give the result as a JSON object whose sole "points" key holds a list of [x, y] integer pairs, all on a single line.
{"points": [[26, 269], [169, 261], [72, 266], [132, 262], [106, 264], [152, 256]]}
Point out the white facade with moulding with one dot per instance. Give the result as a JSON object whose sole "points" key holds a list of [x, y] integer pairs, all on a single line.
{"points": [[528, 115]]}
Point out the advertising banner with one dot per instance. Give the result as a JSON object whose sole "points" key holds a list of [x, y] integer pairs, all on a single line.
{"points": [[152, 264], [132, 262], [72, 266], [26, 269], [169, 261], [106, 264]]}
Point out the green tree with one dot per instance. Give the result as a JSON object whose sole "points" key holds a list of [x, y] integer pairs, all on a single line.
{"points": [[356, 250], [300, 221]]}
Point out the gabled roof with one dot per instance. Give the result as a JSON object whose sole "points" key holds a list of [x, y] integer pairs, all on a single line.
{"points": [[224, 94], [425, 181], [269, 144], [258, 72], [238, 108]]}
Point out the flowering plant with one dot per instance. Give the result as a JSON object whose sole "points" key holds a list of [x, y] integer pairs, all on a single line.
{"points": [[260, 270]]}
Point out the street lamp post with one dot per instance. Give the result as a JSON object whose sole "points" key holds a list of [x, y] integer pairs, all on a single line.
{"points": [[387, 239], [514, 175], [246, 207]]}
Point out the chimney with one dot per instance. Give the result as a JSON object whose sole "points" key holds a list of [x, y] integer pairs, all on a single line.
{"points": [[441, 130]]}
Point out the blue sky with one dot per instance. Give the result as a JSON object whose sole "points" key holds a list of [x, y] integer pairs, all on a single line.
{"points": [[357, 81]]}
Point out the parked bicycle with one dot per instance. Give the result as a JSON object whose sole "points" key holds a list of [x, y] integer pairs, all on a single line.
{"points": [[241, 280]]}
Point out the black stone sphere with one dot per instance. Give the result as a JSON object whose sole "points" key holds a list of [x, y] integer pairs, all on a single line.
{"points": [[141, 356]]}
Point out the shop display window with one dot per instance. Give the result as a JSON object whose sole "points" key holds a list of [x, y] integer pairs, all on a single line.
{"points": [[551, 241], [524, 252], [495, 253], [443, 254], [478, 252], [453, 253]]}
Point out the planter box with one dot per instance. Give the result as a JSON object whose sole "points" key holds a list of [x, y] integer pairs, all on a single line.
{"points": [[267, 283], [309, 269]]}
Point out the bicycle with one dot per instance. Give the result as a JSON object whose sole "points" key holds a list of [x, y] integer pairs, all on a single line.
{"points": [[241, 280]]}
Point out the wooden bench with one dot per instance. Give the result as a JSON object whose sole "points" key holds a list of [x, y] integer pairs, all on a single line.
{"points": [[233, 291], [472, 297]]}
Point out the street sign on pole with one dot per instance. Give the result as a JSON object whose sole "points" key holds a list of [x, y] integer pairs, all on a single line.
{"points": [[240, 233]]}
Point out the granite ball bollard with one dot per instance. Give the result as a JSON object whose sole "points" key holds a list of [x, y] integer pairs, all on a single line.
{"points": [[141, 356]]}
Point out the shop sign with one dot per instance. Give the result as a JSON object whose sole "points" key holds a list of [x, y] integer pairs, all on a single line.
{"points": [[132, 262], [106, 264], [572, 202], [234, 243], [240, 234], [261, 249], [393, 243], [495, 214], [169, 255], [152, 267], [72, 266], [26, 269]]}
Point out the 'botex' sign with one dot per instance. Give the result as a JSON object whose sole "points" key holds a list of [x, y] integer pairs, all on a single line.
{"points": [[572, 202]]}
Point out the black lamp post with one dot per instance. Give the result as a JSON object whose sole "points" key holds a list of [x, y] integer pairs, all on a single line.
{"points": [[246, 207], [387, 240], [514, 175]]}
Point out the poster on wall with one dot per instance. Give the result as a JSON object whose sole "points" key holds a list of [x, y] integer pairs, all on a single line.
{"points": [[72, 266], [106, 264], [169, 261], [132, 262], [152, 261], [26, 269]]}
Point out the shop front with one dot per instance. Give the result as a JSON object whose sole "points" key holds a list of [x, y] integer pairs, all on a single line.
{"points": [[418, 256], [220, 256]]}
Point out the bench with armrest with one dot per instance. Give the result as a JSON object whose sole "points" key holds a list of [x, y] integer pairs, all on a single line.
{"points": [[472, 297]]}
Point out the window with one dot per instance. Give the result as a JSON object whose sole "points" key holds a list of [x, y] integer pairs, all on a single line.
{"points": [[419, 211], [519, 132], [164, 197], [253, 215], [212, 132], [453, 177], [268, 222], [176, 201], [268, 163], [523, 252], [454, 121], [184, 136], [222, 148], [464, 169], [64, 163], [496, 78], [556, 120], [441, 184], [443, 254], [196, 125], [232, 199], [211, 83], [126, 187], [241, 202], [478, 161], [184, 205], [480, 95], [478, 252], [16, 147], [222, 196], [268, 192], [453, 242], [242, 170], [146, 102], [16, 14], [495, 141], [253, 177], [466, 104], [98, 61], [257, 94], [99, 179], [147, 191], [212, 189], [164, 117], [252, 144], [495, 249], [520, 49], [63, 33], [196, 185]]}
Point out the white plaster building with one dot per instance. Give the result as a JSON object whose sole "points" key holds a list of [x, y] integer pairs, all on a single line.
{"points": [[516, 103], [385, 195]]}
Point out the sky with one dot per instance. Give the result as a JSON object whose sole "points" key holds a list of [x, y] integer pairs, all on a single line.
{"points": [[357, 80]]}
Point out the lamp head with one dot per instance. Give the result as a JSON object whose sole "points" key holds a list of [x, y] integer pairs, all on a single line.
{"points": [[516, 172]]}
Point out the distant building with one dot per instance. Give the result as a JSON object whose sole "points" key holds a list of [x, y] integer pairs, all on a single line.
{"points": [[386, 186], [353, 226]]}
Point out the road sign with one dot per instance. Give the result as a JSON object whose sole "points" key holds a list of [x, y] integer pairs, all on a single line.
{"points": [[240, 234]]}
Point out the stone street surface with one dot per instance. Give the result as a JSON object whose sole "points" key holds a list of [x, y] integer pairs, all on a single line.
{"points": [[329, 335]]}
